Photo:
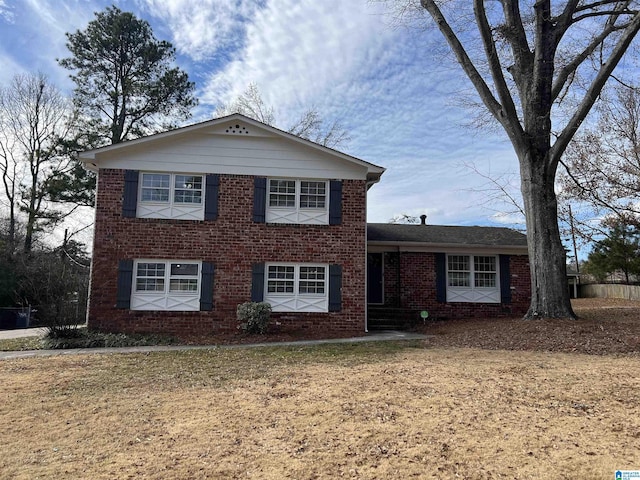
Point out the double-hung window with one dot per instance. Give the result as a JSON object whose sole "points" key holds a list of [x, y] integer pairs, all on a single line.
{"points": [[297, 201], [166, 285], [297, 287], [473, 278], [171, 195]]}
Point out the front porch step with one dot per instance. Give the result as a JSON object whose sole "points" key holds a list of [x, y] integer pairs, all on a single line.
{"points": [[387, 318]]}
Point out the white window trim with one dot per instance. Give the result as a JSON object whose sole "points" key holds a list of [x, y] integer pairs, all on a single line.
{"points": [[296, 214], [297, 302], [473, 294], [165, 300], [171, 208]]}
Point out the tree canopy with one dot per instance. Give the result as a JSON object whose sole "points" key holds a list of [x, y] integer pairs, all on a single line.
{"points": [[540, 67], [126, 84]]}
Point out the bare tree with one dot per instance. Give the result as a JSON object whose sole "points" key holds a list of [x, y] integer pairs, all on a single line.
{"points": [[602, 165], [534, 55], [11, 178], [309, 126], [34, 120]]}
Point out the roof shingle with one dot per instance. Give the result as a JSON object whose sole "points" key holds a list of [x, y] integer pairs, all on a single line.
{"points": [[441, 234]]}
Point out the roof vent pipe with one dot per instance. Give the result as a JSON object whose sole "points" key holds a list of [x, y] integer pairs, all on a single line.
{"points": [[423, 219]]}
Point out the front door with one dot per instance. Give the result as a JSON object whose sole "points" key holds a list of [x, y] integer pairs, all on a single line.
{"points": [[375, 277]]}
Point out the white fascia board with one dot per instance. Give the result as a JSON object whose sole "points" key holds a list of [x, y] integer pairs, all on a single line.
{"points": [[373, 246]]}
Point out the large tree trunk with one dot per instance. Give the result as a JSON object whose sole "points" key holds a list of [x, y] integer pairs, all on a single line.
{"points": [[547, 258]]}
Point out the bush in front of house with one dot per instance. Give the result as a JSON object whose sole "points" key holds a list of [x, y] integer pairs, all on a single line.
{"points": [[83, 338], [254, 317]]}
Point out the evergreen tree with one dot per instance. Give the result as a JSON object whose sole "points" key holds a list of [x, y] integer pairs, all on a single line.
{"points": [[619, 252], [126, 84]]}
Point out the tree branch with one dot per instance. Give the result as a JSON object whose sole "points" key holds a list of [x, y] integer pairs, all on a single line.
{"points": [[594, 90]]}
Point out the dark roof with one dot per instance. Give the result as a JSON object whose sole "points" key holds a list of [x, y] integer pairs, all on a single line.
{"points": [[441, 234]]}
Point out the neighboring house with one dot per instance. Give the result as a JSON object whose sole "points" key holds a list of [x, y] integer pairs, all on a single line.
{"points": [[447, 271], [192, 222]]}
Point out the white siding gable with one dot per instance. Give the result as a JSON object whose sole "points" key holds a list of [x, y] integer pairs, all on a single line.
{"points": [[234, 147]]}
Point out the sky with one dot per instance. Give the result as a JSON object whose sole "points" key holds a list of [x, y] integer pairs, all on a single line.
{"points": [[388, 85]]}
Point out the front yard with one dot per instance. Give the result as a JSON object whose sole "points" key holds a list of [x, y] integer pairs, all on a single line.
{"points": [[378, 410]]}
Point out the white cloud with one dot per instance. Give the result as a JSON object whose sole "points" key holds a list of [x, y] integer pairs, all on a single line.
{"points": [[299, 51], [201, 28], [6, 11]]}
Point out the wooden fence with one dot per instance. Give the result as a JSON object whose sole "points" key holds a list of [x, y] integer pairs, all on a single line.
{"points": [[609, 290]]}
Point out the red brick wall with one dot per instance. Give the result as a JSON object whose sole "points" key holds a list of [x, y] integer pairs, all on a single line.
{"points": [[417, 289], [233, 242]]}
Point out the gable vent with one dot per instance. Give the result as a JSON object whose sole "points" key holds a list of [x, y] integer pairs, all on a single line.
{"points": [[237, 129]]}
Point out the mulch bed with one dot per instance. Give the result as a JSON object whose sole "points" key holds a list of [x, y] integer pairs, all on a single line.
{"points": [[604, 326]]}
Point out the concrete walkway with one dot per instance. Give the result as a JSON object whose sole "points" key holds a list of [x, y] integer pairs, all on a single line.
{"points": [[22, 333], [370, 337]]}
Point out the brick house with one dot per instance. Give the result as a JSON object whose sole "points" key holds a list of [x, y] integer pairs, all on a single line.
{"points": [[192, 222], [447, 271]]}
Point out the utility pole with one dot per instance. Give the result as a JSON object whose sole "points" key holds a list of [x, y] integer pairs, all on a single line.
{"points": [[573, 237]]}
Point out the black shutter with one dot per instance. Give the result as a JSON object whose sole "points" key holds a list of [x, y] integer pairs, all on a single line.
{"points": [[130, 198], [206, 287], [441, 277], [212, 185], [125, 277], [335, 202], [335, 288], [257, 282], [505, 279], [259, 199]]}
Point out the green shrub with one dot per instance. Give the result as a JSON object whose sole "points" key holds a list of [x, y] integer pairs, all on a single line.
{"points": [[254, 317]]}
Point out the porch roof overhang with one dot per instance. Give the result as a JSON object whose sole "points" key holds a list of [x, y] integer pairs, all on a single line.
{"points": [[440, 238]]}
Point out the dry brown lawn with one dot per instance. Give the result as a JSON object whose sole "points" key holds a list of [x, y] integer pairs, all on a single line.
{"points": [[368, 411]]}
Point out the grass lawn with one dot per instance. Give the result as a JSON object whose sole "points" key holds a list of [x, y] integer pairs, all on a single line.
{"points": [[379, 410]]}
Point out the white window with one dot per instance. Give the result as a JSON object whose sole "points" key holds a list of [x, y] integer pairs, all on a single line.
{"points": [[297, 201], [171, 195], [473, 278], [166, 285], [297, 287]]}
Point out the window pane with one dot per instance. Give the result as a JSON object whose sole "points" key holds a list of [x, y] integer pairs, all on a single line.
{"points": [[155, 180], [155, 187], [189, 182], [485, 280], [183, 285], [150, 270], [459, 279], [312, 273], [280, 286], [150, 284], [282, 193], [280, 279], [484, 264], [155, 195], [459, 263], [312, 194], [190, 269], [282, 186], [281, 271], [312, 280], [188, 189]]}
